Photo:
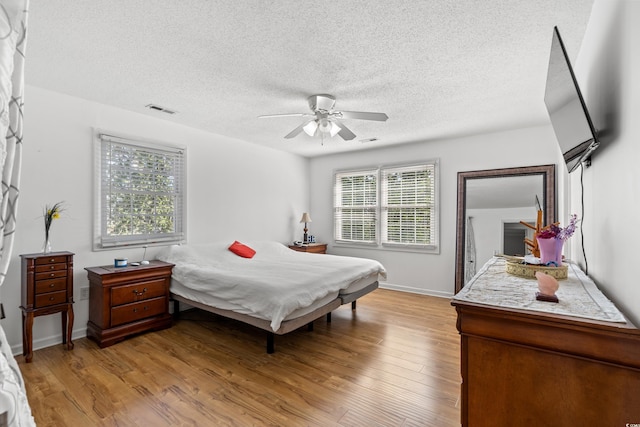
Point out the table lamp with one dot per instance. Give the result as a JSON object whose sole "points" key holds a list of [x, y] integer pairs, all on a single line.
{"points": [[305, 218]]}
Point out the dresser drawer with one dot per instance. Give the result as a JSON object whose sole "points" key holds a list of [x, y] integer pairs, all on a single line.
{"points": [[44, 286], [51, 298], [139, 310], [51, 267], [53, 259], [137, 292], [51, 274]]}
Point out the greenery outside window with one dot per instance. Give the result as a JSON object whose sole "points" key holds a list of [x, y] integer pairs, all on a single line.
{"points": [[390, 206], [141, 193]]}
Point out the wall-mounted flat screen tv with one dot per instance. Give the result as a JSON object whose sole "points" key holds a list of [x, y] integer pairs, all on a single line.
{"points": [[568, 112]]}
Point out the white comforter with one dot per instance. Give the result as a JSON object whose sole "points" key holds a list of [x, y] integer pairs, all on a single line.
{"points": [[272, 284]]}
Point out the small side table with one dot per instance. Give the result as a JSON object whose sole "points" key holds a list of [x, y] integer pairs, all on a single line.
{"points": [[125, 301], [315, 248], [47, 288]]}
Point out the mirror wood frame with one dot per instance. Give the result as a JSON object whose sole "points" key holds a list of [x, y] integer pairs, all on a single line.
{"points": [[548, 203]]}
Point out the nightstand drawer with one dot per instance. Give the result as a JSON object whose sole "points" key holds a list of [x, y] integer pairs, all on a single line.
{"points": [[51, 298], [44, 286], [139, 310], [137, 292]]}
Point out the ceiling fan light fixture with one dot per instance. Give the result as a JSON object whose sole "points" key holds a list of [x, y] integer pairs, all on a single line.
{"points": [[326, 120], [324, 125], [310, 128]]}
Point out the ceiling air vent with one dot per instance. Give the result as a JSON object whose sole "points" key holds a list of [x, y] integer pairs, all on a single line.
{"points": [[155, 107]]}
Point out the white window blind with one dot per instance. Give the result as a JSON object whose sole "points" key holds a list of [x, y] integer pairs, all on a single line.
{"points": [[409, 205], [355, 206], [392, 206], [141, 194]]}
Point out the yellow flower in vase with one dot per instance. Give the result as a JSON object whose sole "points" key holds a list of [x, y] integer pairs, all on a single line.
{"points": [[50, 213]]}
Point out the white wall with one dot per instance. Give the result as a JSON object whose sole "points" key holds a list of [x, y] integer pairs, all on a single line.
{"points": [[428, 273], [607, 69], [236, 190], [489, 230]]}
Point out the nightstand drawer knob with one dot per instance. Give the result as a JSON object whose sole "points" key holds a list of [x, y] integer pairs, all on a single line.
{"points": [[135, 291], [51, 298], [135, 310], [52, 275], [52, 285]]}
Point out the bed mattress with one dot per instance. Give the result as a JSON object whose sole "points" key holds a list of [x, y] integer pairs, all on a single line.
{"points": [[276, 284]]}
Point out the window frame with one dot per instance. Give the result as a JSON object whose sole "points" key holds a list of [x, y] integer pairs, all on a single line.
{"points": [[380, 218], [101, 239]]}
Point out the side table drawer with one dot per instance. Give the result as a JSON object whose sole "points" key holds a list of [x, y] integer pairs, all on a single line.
{"points": [[139, 310], [51, 298], [44, 286], [139, 291]]}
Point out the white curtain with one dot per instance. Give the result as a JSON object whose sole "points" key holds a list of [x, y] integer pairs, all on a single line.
{"points": [[13, 38]]}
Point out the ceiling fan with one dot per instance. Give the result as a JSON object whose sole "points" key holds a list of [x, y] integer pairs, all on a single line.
{"points": [[324, 120]]}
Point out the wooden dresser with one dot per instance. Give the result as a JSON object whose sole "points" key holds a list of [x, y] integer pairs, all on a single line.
{"points": [[127, 300], [315, 248], [522, 367], [47, 288]]}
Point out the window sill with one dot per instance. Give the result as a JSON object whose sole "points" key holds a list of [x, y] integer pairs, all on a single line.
{"points": [[389, 248]]}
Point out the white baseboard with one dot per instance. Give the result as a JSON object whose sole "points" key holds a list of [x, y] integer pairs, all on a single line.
{"points": [[45, 342], [420, 291]]}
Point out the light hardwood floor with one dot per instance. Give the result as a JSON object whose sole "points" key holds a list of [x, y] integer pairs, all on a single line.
{"points": [[394, 361]]}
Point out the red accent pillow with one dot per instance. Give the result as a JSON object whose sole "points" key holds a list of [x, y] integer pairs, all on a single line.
{"points": [[242, 250]]}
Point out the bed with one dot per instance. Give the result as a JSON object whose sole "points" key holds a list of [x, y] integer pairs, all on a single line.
{"points": [[276, 289]]}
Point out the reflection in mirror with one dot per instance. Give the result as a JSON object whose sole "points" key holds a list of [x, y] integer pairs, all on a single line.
{"points": [[491, 205]]}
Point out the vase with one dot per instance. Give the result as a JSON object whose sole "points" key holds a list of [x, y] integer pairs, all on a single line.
{"points": [[46, 247], [550, 250]]}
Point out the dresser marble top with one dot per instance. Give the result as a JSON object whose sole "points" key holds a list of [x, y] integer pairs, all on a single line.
{"points": [[578, 295]]}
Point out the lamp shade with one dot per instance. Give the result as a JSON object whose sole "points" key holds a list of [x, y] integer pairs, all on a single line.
{"points": [[305, 217], [310, 128]]}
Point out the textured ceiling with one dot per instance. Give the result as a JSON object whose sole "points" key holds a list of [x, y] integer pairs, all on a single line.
{"points": [[438, 68]]}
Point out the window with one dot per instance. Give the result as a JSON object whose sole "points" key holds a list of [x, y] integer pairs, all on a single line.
{"points": [[394, 206], [356, 202], [141, 193]]}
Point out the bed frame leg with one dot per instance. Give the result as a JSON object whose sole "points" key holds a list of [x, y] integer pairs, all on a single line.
{"points": [[270, 345], [353, 305], [176, 309], [329, 317], [310, 326]]}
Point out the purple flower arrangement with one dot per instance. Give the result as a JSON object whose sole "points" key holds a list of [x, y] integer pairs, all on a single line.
{"points": [[555, 232]]}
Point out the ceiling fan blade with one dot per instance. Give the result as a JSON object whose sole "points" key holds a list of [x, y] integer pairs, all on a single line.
{"points": [[345, 133], [297, 130], [268, 116], [363, 115]]}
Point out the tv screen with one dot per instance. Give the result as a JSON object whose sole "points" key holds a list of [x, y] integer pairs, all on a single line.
{"points": [[568, 113]]}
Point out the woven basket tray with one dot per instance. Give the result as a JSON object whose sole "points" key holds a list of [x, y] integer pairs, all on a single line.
{"points": [[529, 270]]}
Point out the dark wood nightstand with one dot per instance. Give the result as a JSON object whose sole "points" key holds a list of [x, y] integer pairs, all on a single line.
{"points": [[127, 300], [315, 248], [47, 288]]}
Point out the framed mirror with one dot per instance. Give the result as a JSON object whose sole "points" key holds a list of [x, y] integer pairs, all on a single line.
{"points": [[490, 203]]}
